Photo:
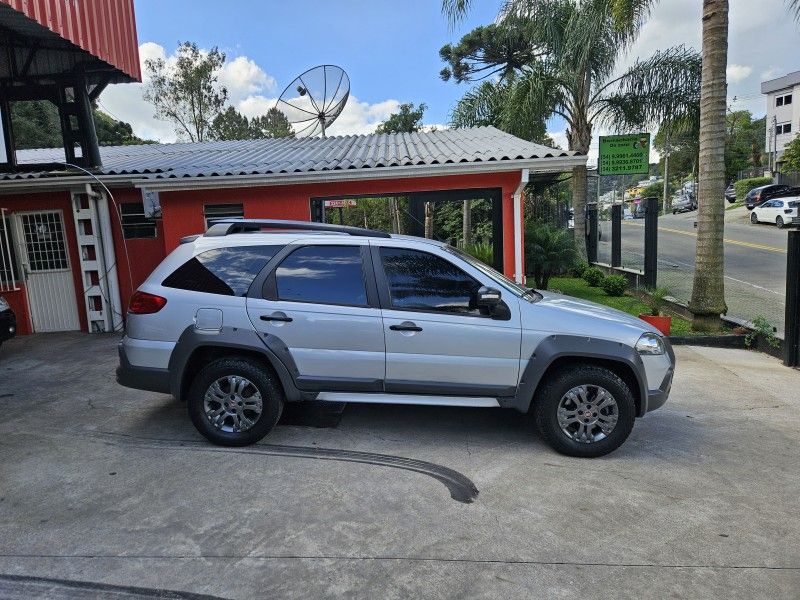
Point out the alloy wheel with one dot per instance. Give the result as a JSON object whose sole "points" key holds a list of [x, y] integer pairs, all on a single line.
{"points": [[232, 404], [587, 413]]}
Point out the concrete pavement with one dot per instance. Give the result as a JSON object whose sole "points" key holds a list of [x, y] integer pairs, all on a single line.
{"points": [[104, 485]]}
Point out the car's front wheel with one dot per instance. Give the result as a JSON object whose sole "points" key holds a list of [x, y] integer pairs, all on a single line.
{"points": [[235, 401], [753, 218], [585, 411]]}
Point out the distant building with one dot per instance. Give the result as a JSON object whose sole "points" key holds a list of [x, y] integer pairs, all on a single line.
{"points": [[783, 114]]}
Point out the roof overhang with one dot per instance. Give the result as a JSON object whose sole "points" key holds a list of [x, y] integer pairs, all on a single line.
{"points": [[558, 164], [50, 41]]}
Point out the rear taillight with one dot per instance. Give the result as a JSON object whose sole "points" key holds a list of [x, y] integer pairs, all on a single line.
{"points": [[143, 303]]}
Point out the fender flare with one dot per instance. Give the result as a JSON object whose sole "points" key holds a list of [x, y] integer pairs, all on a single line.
{"points": [[555, 347], [271, 348]]}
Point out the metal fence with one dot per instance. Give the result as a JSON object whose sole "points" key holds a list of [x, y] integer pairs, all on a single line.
{"points": [[755, 277]]}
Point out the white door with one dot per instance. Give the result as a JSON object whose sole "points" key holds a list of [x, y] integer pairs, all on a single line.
{"points": [[48, 277]]}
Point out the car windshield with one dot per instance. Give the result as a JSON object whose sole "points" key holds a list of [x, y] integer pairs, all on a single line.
{"points": [[500, 279]]}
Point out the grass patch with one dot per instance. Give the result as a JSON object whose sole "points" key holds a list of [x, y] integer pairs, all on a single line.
{"points": [[735, 205], [578, 288]]}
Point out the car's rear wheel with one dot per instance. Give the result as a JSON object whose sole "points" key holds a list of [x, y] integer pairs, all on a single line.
{"points": [[779, 222], [584, 411], [235, 401], [753, 218]]}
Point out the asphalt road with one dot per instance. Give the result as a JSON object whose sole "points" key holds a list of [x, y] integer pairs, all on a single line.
{"points": [[755, 261]]}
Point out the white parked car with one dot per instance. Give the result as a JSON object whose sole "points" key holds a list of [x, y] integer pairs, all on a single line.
{"points": [[781, 211]]}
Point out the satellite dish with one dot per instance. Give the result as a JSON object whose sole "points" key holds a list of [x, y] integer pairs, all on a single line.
{"points": [[314, 99]]}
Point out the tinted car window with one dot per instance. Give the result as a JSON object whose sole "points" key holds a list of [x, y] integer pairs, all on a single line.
{"points": [[423, 281], [224, 271], [323, 275]]}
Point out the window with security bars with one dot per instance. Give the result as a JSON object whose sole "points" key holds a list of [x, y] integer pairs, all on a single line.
{"points": [[212, 212], [8, 259], [44, 241], [135, 222]]}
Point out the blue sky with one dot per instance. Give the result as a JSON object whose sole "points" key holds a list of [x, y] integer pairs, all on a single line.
{"points": [[390, 50]]}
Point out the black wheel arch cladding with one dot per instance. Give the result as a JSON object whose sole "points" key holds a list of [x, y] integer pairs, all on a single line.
{"points": [[558, 349]]}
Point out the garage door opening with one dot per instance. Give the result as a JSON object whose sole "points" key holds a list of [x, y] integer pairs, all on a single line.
{"points": [[468, 219]]}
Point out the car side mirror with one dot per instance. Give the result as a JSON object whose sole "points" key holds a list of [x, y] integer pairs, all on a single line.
{"points": [[487, 297]]}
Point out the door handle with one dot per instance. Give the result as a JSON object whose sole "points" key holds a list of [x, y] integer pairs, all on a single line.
{"points": [[276, 317], [405, 326]]}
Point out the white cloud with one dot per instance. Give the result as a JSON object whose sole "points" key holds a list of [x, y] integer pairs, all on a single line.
{"points": [[243, 77], [362, 117], [738, 73]]}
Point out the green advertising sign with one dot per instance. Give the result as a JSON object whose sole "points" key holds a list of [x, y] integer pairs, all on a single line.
{"points": [[624, 154]]}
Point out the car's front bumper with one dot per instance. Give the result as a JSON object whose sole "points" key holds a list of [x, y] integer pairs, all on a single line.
{"points": [[8, 325], [659, 369]]}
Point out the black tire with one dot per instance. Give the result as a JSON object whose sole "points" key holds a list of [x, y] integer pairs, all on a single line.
{"points": [[754, 218], [549, 395], [779, 222], [262, 378], [674, 212]]}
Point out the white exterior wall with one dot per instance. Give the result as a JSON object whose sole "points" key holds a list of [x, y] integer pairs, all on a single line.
{"points": [[782, 114]]}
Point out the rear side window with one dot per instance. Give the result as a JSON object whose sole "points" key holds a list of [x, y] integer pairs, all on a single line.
{"points": [[794, 204], [322, 275], [223, 271]]}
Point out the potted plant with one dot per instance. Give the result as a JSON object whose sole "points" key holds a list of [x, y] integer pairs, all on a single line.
{"points": [[655, 301]]}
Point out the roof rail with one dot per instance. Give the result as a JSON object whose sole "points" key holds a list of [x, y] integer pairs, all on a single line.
{"points": [[223, 227]]}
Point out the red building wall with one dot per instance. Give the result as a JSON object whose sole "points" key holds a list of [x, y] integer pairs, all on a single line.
{"points": [[136, 258], [46, 201], [183, 210], [182, 213]]}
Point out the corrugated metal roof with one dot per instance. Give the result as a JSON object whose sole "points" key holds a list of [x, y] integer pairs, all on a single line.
{"points": [[305, 155], [104, 28]]}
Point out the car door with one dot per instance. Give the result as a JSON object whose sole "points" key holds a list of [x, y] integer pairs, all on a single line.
{"points": [[437, 341], [777, 211], [767, 211], [318, 311]]}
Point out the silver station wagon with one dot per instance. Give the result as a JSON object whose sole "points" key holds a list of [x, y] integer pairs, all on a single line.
{"points": [[256, 313]]}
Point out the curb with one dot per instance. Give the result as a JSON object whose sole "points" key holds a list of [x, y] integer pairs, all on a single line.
{"points": [[711, 341]]}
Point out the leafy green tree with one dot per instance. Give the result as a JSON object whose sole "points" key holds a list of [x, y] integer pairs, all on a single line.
{"points": [[230, 124], [233, 125], [491, 103], [36, 124], [188, 93], [548, 251], [683, 148], [572, 51], [791, 155], [708, 290], [272, 124], [744, 142], [407, 120]]}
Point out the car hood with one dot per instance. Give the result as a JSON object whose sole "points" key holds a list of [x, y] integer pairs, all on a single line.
{"points": [[567, 315]]}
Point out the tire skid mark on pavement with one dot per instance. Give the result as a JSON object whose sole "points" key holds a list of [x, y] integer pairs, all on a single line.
{"points": [[22, 587], [461, 487], [725, 240]]}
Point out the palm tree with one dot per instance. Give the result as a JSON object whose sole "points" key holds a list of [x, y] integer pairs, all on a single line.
{"points": [[571, 51], [708, 289]]}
